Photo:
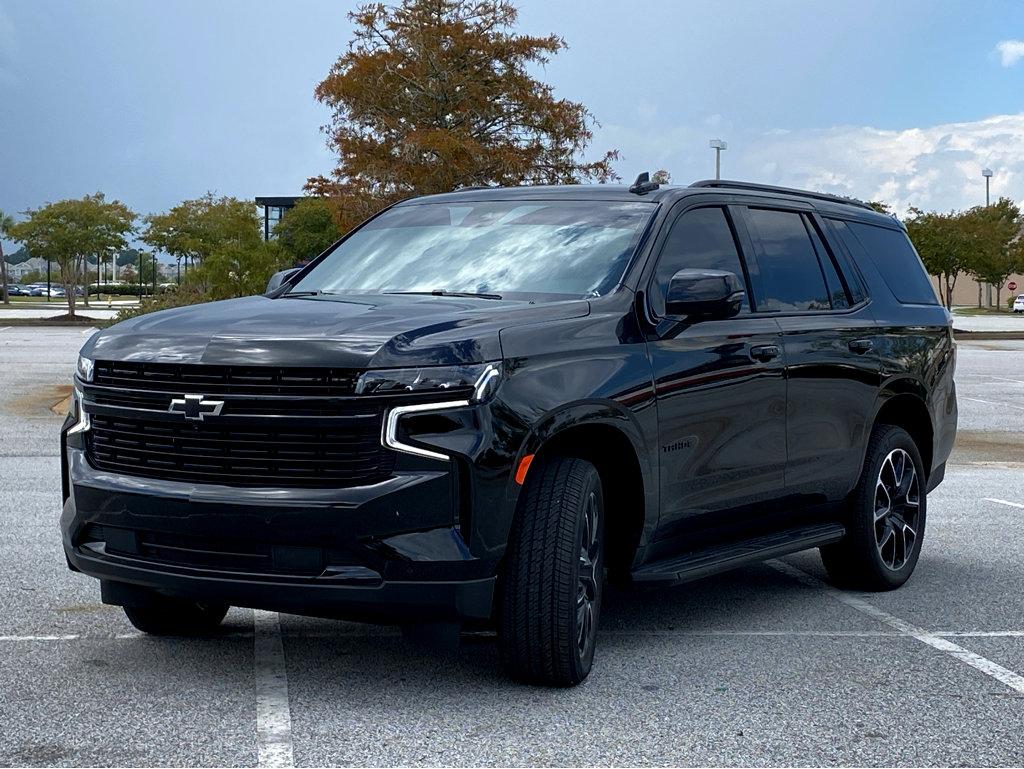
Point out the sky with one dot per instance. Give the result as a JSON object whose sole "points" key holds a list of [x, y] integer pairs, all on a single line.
{"points": [[156, 101]]}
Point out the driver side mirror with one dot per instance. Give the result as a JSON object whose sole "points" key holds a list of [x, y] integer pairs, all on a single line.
{"points": [[278, 278], [704, 294]]}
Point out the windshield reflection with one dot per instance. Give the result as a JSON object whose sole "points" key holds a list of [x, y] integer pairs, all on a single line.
{"points": [[551, 247]]}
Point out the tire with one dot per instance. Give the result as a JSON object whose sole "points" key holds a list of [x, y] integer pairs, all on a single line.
{"points": [[176, 617], [884, 528], [554, 575]]}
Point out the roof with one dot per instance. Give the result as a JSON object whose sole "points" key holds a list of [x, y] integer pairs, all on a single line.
{"points": [[282, 200], [825, 203]]}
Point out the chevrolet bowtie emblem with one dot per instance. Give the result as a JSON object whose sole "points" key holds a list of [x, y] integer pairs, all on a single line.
{"points": [[195, 407]]}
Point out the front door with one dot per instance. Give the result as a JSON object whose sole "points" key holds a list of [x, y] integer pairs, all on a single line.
{"points": [[721, 394]]}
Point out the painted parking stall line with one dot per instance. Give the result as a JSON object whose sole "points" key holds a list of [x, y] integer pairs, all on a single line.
{"points": [[1005, 676], [1003, 502], [273, 714]]}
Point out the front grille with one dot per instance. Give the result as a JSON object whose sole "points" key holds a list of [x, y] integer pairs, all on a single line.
{"points": [[345, 453], [225, 380]]}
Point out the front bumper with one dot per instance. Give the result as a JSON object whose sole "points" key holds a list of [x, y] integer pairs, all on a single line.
{"points": [[388, 552]]}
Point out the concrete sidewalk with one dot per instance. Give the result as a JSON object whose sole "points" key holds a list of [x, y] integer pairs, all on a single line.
{"points": [[53, 311], [1007, 322]]}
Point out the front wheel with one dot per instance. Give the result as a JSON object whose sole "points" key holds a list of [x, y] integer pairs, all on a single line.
{"points": [[885, 526], [554, 575], [176, 617]]}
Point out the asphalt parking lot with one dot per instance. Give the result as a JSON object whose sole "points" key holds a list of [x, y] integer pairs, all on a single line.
{"points": [[765, 666]]}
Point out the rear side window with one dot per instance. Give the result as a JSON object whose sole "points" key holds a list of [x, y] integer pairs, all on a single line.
{"points": [[791, 277], [897, 261], [836, 290], [854, 283], [699, 239]]}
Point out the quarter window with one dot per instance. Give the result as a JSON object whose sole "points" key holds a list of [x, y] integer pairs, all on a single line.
{"points": [[700, 239], [791, 277], [897, 261]]}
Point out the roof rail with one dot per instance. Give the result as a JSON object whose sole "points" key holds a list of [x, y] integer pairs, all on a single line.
{"points": [[784, 190]]}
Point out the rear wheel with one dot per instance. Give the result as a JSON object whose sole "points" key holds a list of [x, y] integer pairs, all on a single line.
{"points": [[554, 575], [887, 515], [176, 617]]}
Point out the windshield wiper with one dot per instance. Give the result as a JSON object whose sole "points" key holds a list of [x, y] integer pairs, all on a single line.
{"points": [[318, 292], [445, 292]]}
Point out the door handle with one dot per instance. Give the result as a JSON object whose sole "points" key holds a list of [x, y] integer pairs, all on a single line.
{"points": [[765, 352], [861, 346]]}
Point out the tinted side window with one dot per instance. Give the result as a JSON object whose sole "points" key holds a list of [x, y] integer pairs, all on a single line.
{"points": [[699, 239], [836, 290], [897, 261], [791, 278], [858, 292]]}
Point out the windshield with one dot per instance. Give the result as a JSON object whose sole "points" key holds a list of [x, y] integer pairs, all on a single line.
{"points": [[493, 247]]}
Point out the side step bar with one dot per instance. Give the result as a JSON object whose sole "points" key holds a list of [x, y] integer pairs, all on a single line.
{"points": [[719, 558]]}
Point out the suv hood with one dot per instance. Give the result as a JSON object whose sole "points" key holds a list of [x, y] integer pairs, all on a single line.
{"points": [[351, 331]]}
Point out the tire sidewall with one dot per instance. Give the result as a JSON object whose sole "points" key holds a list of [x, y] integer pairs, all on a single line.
{"points": [[582, 663], [892, 438]]}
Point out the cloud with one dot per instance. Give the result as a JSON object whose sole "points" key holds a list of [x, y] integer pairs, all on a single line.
{"points": [[1010, 51], [933, 167], [936, 167]]}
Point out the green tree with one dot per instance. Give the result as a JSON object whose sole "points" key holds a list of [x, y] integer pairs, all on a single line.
{"points": [[661, 176], [997, 248], [307, 229], [69, 232], [434, 95], [6, 225], [945, 243], [194, 229], [234, 269], [880, 207]]}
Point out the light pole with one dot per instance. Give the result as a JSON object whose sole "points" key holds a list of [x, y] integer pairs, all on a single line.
{"points": [[718, 145], [987, 173]]}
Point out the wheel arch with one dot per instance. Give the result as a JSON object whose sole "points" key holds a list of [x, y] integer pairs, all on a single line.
{"points": [[905, 406], [608, 436]]}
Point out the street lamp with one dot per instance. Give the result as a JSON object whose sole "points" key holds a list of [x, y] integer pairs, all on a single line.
{"points": [[987, 173], [718, 145]]}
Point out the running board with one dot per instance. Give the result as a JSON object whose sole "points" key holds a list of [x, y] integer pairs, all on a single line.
{"points": [[712, 560]]}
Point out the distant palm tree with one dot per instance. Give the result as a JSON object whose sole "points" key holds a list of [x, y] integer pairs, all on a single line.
{"points": [[6, 223]]}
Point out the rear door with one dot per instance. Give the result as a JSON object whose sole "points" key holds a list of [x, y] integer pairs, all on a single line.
{"points": [[832, 365], [721, 396]]}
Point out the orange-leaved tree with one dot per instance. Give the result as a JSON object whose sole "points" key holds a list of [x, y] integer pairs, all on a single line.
{"points": [[434, 95]]}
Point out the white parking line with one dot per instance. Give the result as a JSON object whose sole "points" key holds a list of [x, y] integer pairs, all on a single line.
{"points": [[273, 715], [1004, 675], [1003, 502], [992, 403]]}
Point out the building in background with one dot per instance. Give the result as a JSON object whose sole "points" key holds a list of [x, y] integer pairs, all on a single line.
{"points": [[16, 272], [273, 210]]}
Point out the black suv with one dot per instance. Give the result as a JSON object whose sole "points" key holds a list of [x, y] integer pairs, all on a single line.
{"points": [[477, 406]]}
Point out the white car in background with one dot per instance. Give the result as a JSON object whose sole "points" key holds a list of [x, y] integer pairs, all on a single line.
{"points": [[1018, 304]]}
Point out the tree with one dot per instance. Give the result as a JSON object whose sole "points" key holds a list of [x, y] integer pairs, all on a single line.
{"points": [[307, 229], [997, 251], [661, 176], [6, 225], [945, 243], [235, 269], [69, 232], [193, 229], [434, 95], [880, 207]]}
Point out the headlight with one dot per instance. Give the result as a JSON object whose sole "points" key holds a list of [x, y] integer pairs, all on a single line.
{"points": [[482, 378], [85, 367]]}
